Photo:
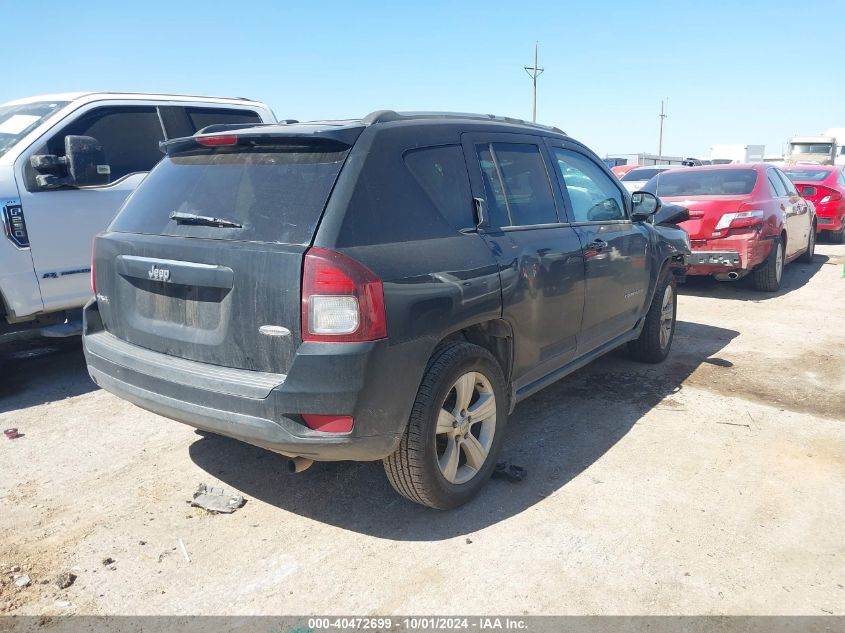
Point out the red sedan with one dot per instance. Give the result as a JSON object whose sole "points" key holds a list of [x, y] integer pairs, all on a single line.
{"points": [[824, 185], [744, 219]]}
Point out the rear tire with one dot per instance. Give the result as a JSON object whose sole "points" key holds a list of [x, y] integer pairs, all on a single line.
{"points": [[767, 278], [655, 340], [446, 456], [807, 256], [837, 237]]}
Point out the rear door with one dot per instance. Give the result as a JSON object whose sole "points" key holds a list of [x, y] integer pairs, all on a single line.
{"points": [[800, 221], [615, 250], [538, 254], [223, 295], [787, 206]]}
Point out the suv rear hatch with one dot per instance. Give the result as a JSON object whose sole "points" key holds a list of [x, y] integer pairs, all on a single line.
{"points": [[204, 260]]}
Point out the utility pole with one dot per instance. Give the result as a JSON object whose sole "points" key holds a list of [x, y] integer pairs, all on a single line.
{"points": [[663, 115], [534, 72]]}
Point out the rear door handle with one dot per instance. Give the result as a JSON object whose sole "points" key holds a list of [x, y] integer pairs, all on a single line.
{"points": [[597, 245]]}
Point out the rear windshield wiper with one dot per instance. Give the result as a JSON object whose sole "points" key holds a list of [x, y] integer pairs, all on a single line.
{"points": [[203, 220]]}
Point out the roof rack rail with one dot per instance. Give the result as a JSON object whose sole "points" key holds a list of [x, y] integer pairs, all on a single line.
{"points": [[386, 116]]}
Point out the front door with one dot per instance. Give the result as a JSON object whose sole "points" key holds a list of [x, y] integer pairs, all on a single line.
{"points": [[63, 222], [615, 250], [539, 256], [799, 222]]}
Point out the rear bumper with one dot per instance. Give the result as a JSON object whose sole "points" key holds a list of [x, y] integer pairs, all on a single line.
{"points": [[739, 253], [358, 379], [832, 223]]}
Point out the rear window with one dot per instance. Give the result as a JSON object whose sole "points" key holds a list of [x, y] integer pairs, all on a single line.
{"points": [[276, 194], [641, 174], [806, 175], [709, 182]]}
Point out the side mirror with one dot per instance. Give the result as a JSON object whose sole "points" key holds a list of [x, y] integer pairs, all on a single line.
{"points": [[83, 165], [671, 214], [86, 161], [645, 205]]}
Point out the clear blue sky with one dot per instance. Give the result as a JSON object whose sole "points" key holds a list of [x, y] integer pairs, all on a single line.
{"points": [[725, 66]]}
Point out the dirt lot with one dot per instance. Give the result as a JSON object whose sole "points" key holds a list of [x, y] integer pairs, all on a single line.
{"points": [[710, 484]]}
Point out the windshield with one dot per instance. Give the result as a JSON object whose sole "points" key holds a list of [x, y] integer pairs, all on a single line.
{"points": [[16, 121], [710, 182], [267, 194], [644, 173], [811, 148], [806, 175]]}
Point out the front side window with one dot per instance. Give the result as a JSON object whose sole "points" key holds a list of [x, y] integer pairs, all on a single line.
{"points": [[442, 174], [517, 184], [130, 136], [593, 196]]}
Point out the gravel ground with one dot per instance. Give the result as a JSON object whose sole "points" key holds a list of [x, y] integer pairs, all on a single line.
{"points": [[711, 484]]}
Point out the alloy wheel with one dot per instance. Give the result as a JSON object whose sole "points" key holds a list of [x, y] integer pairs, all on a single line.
{"points": [[466, 426], [779, 262], [667, 316]]}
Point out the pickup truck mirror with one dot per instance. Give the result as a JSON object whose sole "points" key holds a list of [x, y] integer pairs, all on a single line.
{"points": [[645, 205], [83, 165], [671, 214], [86, 161]]}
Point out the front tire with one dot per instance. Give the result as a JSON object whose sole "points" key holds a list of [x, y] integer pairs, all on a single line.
{"points": [[767, 278], [655, 340], [449, 449]]}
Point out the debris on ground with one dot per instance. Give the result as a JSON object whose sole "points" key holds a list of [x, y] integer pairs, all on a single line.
{"points": [[12, 434], [216, 500], [509, 472], [184, 551], [23, 581], [108, 560], [64, 580]]}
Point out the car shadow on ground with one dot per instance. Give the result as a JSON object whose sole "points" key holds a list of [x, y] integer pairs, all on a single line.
{"points": [[556, 435], [40, 371], [795, 275]]}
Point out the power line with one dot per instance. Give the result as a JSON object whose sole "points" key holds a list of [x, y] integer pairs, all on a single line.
{"points": [[534, 72]]}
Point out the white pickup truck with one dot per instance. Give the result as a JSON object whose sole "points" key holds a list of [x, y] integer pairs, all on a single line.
{"points": [[67, 163]]}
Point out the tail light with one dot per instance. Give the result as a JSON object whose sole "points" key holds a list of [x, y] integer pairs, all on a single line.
{"points": [[218, 140], [830, 195], [739, 220], [342, 300]]}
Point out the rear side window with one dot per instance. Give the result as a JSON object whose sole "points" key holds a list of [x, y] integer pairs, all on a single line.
{"points": [[203, 117], [442, 174], [130, 136], [787, 183], [276, 194], [517, 184], [777, 186]]}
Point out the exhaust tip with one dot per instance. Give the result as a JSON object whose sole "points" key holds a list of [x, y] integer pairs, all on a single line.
{"points": [[299, 464]]}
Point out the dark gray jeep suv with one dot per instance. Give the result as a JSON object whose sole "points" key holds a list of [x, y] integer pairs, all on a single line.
{"points": [[384, 288]]}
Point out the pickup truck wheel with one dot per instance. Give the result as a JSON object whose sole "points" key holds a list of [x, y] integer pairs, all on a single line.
{"points": [[449, 449], [655, 340], [767, 278], [807, 256]]}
